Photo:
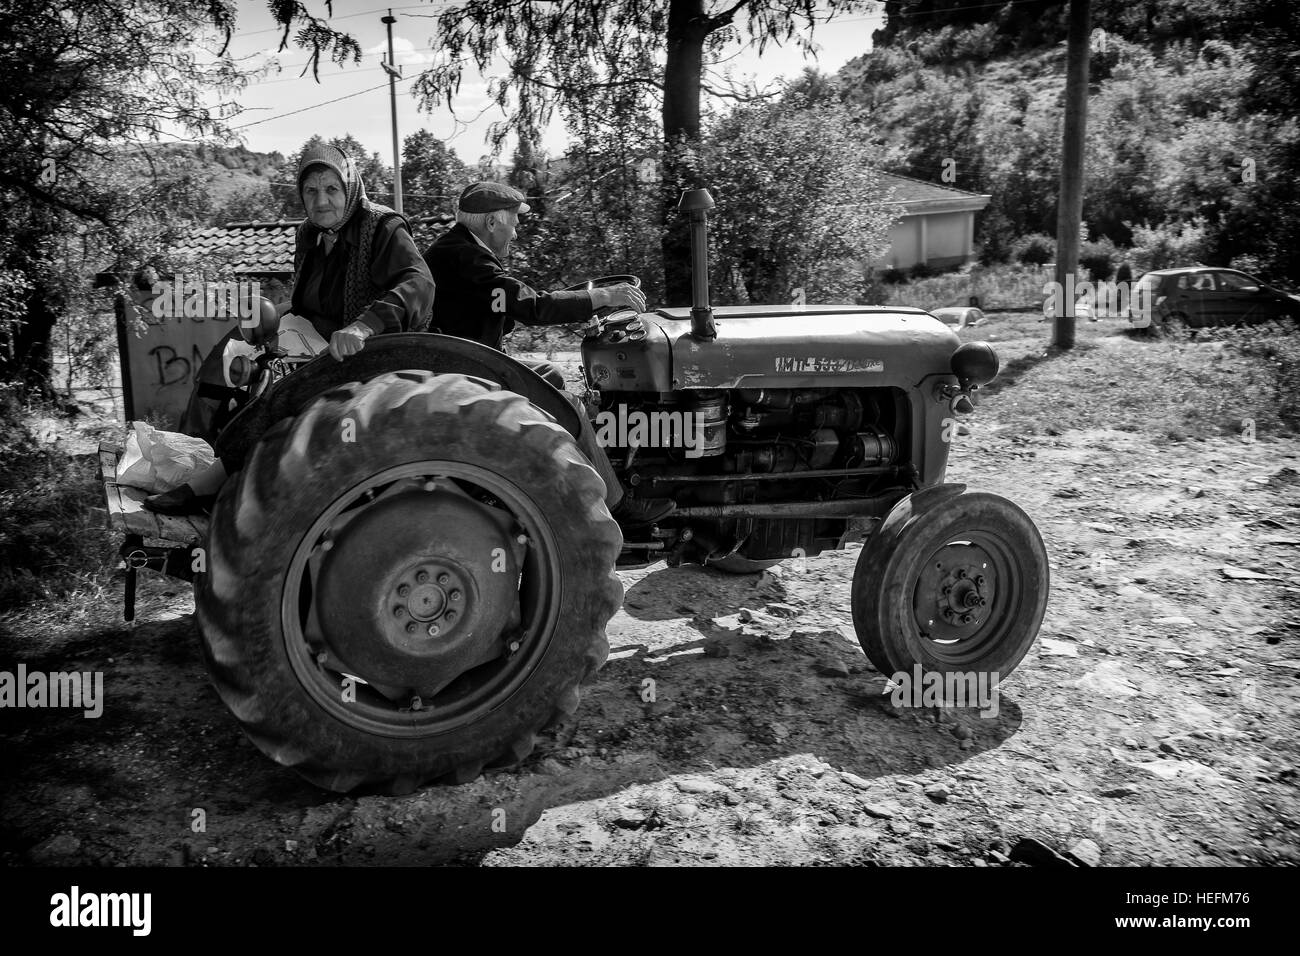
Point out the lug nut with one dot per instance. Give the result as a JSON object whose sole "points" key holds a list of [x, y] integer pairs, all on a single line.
{"points": [[979, 580], [422, 577], [966, 618], [411, 627], [321, 658], [433, 630], [450, 616], [416, 703], [399, 611], [522, 539], [444, 578], [947, 589], [455, 594], [403, 590], [961, 572]]}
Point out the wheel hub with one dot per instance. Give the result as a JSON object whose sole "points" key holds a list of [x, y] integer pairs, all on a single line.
{"points": [[955, 592], [416, 588]]}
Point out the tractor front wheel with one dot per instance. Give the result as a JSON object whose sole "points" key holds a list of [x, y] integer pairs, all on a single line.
{"points": [[954, 583]]}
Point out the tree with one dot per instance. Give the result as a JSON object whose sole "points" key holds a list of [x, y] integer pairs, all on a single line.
{"points": [[85, 87], [800, 210], [570, 54], [432, 175]]}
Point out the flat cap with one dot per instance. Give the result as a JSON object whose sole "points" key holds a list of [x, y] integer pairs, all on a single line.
{"points": [[488, 197]]}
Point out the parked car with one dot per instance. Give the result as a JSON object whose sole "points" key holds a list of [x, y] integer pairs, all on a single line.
{"points": [[1201, 296]]}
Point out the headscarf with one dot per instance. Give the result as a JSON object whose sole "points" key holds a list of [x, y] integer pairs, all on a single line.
{"points": [[359, 290], [342, 165]]}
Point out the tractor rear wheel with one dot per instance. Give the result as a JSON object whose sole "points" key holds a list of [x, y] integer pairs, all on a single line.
{"points": [[960, 585], [407, 582]]}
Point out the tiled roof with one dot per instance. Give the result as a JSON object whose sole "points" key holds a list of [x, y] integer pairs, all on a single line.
{"points": [[908, 190], [266, 248]]}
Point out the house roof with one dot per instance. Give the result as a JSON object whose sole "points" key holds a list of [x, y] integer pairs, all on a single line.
{"points": [[266, 248], [921, 195]]}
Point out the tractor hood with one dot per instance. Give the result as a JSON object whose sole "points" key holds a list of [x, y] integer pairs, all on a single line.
{"points": [[773, 347]]}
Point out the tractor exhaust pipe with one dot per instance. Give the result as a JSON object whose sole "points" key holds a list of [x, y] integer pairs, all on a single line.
{"points": [[698, 202]]}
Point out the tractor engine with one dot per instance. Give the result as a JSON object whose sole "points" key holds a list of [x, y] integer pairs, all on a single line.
{"points": [[716, 451]]}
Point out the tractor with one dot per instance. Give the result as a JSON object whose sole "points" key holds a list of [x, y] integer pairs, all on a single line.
{"points": [[410, 577]]}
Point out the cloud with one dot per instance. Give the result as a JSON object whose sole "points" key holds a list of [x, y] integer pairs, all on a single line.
{"points": [[404, 50]]}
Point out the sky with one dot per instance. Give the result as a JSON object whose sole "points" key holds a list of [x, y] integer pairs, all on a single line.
{"points": [[367, 116]]}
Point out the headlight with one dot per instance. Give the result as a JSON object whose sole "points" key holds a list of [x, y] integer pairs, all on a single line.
{"points": [[974, 364]]}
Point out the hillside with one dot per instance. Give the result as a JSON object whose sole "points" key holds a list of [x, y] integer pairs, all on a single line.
{"points": [[1193, 133]]}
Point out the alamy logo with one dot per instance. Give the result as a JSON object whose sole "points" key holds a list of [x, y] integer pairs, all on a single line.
{"points": [[945, 689], [56, 689], [1100, 298], [194, 297], [627, 428], [75, 908]]}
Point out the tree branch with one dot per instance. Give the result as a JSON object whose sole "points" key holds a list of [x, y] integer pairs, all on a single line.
{"points": [[84, 212]]}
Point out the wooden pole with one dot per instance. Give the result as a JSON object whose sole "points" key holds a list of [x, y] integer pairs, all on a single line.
{"points": [[1069, 210], [394, 73]]}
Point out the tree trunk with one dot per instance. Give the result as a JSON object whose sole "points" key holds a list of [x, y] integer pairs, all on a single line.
{"points": [[687, 28]]}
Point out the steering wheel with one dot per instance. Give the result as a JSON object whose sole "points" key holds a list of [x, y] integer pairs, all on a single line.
{"points": [[604, 282]]}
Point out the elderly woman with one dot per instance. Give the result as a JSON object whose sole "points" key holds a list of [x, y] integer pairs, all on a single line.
{"points": [[357, 273]]}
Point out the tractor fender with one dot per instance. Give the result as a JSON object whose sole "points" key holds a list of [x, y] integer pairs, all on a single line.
{"points": [[916, 504], [394, 352]]}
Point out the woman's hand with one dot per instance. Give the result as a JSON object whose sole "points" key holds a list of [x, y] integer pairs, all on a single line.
{"points": [[349, 340]]}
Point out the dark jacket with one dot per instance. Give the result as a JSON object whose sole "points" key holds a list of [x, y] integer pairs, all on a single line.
{"points": [[478, 299], [394, 295]]}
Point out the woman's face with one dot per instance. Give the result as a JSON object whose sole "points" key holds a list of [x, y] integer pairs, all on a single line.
{"points": [[324, 197]]}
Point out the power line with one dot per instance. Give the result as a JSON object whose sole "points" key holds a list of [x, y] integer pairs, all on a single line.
{"points": [[337, 99]]}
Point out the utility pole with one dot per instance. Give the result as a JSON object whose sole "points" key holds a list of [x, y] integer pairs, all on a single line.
{"points": [[1069, 209], [394, 74]]}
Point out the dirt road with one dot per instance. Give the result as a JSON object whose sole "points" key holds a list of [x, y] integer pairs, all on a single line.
{"points": [[1154, 723]]}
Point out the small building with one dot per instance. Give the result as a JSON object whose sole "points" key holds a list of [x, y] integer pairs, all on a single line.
{"points": [[937, 226]]}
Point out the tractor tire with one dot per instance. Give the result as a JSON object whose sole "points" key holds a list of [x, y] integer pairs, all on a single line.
{"points": [[975, 556], [739, 564], [407, 582]]}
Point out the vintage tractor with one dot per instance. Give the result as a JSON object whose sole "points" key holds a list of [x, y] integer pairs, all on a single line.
{"points": [[411, 574]]}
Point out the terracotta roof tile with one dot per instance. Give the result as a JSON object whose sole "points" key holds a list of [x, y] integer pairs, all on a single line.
{"points": [[266, 248]]}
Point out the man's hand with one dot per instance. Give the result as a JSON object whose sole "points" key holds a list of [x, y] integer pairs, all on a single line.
{"points": [[350, 340], [618, 296]]}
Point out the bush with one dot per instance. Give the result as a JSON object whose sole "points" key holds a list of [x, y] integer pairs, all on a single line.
{"points": [[51, 541], [1169, 245], [1098, 258], [922, 271], [1035, 249], [892, 276]]}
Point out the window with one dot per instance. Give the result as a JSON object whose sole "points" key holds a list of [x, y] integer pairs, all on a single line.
{"points": [[1235, 282]]}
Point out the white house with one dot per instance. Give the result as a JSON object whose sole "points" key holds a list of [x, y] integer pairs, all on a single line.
{"points": [[938, 224]]}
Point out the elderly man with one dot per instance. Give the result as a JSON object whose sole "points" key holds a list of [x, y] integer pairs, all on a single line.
{"points": [[479, 299]]}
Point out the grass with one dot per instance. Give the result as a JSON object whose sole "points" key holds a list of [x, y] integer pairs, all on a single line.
{"points": [[53, 543], [998, 287], [1174, 389]]}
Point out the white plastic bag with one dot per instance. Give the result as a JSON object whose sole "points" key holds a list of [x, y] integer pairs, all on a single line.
{"points": [[160, 461]]}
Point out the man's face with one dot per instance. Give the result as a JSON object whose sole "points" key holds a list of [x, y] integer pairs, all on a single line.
{"points": [[501, 231], [324, 198]]}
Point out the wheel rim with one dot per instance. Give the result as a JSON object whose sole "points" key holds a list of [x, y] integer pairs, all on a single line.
{"points": [[967, 597], [478, 603]]}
